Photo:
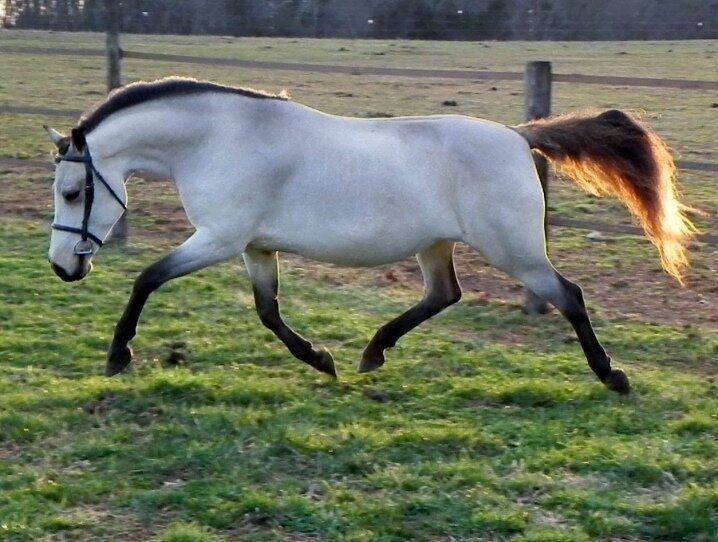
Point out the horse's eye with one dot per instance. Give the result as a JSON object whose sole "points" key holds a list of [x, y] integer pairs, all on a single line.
{"points": [[72, 196]]}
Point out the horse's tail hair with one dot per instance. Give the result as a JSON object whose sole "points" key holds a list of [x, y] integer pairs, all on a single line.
{"points": [[615, 153]]}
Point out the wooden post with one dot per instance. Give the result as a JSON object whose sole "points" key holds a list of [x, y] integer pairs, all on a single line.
{"points": [[112, 45], [537, 89], [114, 54]]}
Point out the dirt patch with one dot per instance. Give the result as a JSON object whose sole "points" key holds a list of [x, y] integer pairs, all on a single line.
{"points": [[646, 295], [635, 293], [9, 450]]}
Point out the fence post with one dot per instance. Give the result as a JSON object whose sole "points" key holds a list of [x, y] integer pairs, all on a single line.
{"points": [[537, 92], [113, 55]]}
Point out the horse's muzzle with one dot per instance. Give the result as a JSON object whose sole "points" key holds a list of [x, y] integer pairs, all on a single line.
{"points": [[67, 277]]}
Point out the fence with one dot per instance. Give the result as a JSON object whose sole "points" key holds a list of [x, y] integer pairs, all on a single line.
{"points": [[537, 78]]}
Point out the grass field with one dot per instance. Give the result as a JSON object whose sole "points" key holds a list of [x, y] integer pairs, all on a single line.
{"points": [[485, 424]]}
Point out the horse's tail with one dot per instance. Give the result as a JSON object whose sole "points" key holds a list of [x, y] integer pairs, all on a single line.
{"points": [[614, 153]]}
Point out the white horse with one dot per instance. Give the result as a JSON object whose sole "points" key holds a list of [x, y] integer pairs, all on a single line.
{"points": [[258, 174]]}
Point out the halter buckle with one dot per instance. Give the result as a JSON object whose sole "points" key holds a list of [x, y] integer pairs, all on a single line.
{"points": [[83, 248]]}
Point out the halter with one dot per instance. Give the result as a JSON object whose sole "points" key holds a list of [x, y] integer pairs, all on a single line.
{"points": [[84, 247]]}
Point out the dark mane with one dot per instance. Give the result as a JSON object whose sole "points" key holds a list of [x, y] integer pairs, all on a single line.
{"points": [[141, 92]]}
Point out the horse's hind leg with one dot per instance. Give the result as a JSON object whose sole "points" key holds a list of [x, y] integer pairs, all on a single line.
{"points": [[441, 289], [570, 302], [524, 257], [263, 271]]}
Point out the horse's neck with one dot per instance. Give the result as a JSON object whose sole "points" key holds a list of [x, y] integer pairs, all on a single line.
{"points": [[145, 139]]}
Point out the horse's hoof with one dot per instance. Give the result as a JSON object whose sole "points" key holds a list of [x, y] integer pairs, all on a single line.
{"points": [[118, 359], [324, 362], [370, 363], [618, 381]]}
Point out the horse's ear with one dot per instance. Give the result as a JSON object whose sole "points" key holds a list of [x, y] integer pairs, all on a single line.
{"points": [[78, 139], [62, 142], [55, 136]]}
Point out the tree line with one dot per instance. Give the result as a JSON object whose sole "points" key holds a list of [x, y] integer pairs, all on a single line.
{"points": [[410, 19]]}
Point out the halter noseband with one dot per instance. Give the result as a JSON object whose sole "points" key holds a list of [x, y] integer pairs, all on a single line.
{"points": [[84, 247]]}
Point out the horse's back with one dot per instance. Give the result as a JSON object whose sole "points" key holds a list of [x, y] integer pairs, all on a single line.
{"points": [[371, 191]]}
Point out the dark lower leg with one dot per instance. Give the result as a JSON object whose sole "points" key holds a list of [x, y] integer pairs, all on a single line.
{"points": [[146, 283], [442, 289], [300, 348], [192, 255], [388, 335], [120, 354], [262, 267], [574, 309]]}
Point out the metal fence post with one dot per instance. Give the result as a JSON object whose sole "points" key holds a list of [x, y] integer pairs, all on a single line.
{"points": [[113, 55], [537, 92]]}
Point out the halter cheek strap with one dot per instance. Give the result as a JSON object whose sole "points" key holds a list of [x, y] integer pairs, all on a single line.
{"points": [[84, 246]]}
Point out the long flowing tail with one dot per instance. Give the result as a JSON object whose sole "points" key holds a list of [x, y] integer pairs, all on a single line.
{"points": [[614, 153]]}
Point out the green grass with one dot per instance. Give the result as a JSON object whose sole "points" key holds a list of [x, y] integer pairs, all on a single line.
{"points": [[467, 433], [485, 424], [670, 59]]}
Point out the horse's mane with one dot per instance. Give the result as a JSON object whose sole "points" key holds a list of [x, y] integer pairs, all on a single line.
{"points": [[143, 91]]}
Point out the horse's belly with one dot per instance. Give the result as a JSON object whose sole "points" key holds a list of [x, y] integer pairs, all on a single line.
{"points": [[352, 250], [360, 214], [359, 256]]}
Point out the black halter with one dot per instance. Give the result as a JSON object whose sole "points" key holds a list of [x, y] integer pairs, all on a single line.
{"points": [[84, 247]]}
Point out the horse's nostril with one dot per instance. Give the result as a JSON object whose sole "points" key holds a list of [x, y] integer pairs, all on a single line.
{"points": [[64, 275], [59, 271]]}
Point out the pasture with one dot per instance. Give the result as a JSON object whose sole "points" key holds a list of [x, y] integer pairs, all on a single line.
{"points": [[485, 423]]}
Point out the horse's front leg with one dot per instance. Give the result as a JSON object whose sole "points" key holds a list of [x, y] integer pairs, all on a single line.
{"points": [[263, 271], [199, 251]]}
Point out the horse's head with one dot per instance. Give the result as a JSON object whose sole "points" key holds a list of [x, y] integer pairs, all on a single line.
{"points": [[87, 204]]}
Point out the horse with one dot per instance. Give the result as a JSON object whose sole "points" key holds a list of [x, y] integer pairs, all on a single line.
{"points": [[258, 174]]}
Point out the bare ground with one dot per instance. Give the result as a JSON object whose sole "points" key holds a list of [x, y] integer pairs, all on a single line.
{"points": [[648, 295]]}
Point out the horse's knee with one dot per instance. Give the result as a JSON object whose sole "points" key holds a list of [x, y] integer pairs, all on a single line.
{"points": [[439, 303], [454, 297], [268, 316], [267, 310], [441, 298]]}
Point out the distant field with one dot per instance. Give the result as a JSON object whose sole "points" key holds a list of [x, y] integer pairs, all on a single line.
{"points": [[670, 59], [684, 116], [485, 423]]}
